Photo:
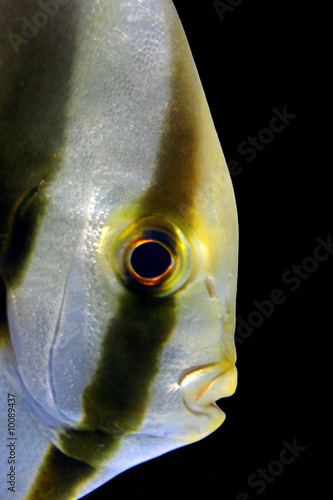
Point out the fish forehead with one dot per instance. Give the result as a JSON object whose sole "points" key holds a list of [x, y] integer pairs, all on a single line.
{"points": [[121, 93]]}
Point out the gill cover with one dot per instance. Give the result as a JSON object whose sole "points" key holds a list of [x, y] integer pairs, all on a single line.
{"points": [[119, 248]]}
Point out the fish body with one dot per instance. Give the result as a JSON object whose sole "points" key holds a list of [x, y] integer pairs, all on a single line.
{"points": [[107, 150]]}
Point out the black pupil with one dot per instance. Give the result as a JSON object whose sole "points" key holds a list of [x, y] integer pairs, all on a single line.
{"points": [[150, 260]]}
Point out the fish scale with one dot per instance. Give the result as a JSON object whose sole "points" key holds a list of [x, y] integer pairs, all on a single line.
{"points": [[107, 143]]}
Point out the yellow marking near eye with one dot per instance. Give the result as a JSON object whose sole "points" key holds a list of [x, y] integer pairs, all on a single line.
{"points": [[133, 230]]}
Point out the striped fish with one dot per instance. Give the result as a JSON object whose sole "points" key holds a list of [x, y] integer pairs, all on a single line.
{"points": [[119, 244]]}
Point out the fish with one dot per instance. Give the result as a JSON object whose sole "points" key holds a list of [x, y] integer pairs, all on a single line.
{"points": [[118, 245]]}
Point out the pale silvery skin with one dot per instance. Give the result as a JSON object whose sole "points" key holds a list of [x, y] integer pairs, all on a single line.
{"points": [[136, 139]]}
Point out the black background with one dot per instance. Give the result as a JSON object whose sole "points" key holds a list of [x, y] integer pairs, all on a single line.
{"points": [[254, 60]]}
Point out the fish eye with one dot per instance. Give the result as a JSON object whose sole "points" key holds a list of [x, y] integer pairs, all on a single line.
{"points": [[150, 256], [150, 261]]}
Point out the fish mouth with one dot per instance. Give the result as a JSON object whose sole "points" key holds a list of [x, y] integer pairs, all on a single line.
{"points": [[202, 386]]}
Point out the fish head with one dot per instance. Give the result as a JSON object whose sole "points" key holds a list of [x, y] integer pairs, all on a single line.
{"points": [[122, 315], [175, 271]]}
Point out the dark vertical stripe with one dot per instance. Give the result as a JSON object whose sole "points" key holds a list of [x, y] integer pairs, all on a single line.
{"points": [[34, 92], [22, 233], [177, 175], [116, 400], [4, 334], [67, 473]]}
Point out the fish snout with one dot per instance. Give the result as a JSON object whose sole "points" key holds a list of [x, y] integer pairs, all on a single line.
{"points": [[201, 387]]}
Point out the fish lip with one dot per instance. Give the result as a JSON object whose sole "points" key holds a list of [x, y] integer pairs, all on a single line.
{"points": [[200, 387]]}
